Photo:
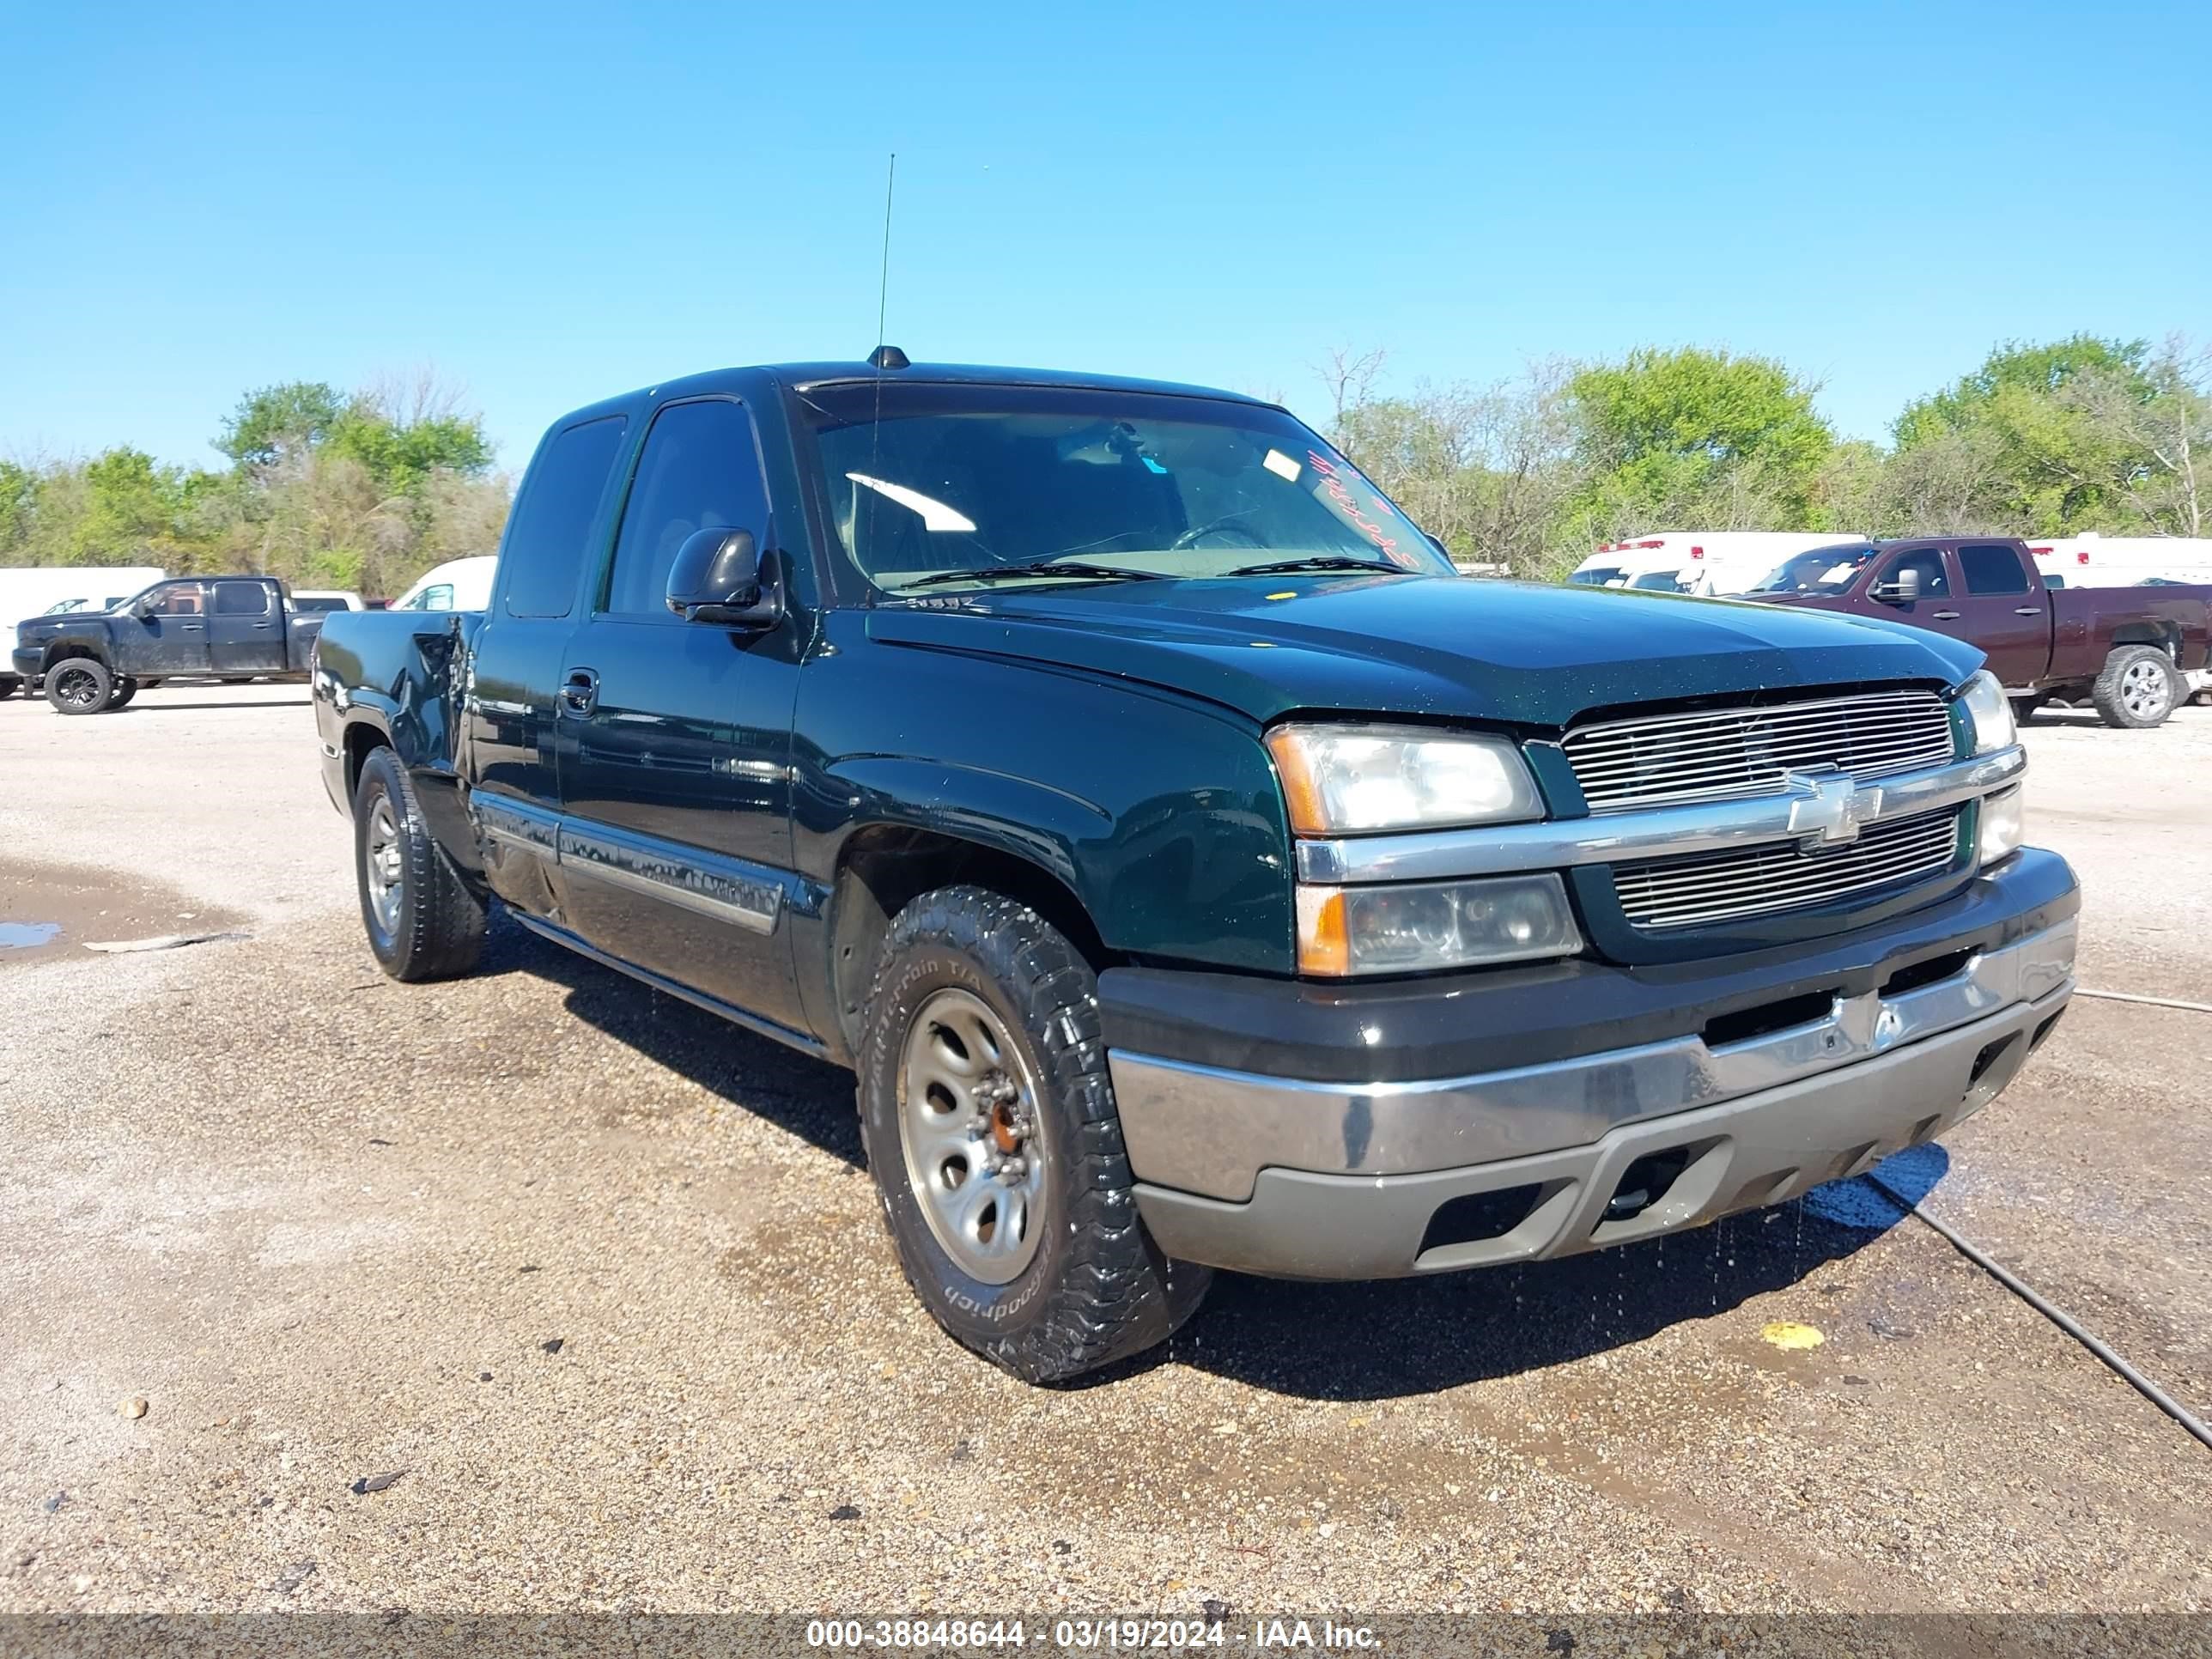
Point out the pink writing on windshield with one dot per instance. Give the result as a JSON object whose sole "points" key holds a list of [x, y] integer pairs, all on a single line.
{"points": [[1348, 504]]}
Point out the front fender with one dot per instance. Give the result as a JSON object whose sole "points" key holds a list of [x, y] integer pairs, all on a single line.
{"points": [[1162, 815]]}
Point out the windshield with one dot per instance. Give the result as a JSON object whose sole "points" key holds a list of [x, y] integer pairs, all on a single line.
{"points": [[1598, 576], [316, 601], [1823, 570], [973, 479], [1658, 581]]}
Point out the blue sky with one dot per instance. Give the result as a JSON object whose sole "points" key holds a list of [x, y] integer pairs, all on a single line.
{"points": [[552, 203]]}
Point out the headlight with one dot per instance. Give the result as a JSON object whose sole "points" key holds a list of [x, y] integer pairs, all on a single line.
{"points": [[1408, 928], [2000, 827], [1341, 780], [1989, 712]]}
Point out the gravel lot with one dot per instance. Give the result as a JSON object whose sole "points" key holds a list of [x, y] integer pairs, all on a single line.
{"points": [[328, 1227]]}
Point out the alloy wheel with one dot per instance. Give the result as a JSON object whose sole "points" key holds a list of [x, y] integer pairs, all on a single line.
{"points": [[383, 865], [972, 1134], [2146, 688]]}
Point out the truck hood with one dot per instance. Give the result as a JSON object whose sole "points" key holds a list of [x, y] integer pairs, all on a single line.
{"points": [[1451, 647]]}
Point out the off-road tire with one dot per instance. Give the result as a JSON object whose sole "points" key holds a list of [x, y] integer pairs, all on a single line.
{"points": [[438, 930], [2110, 692], [10, 684], [65, 686], [1097, 1289], [124, 690]]}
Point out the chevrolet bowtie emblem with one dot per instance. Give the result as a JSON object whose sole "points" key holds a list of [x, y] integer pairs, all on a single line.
{"points": [[1829, 807]]}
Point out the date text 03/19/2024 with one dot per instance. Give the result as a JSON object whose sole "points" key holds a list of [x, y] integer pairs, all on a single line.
{"points": [[1083, 1635]]}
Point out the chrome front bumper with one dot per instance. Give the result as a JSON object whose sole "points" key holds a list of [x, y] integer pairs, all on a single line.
{"points": [[1273, 1174]]}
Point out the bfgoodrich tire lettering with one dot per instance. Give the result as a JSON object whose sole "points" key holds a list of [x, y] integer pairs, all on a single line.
{"points": [[1096, 1288], [423, 922]]}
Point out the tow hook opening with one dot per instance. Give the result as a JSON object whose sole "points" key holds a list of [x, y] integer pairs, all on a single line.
{"points": [[1987, 1057], [1645, 1182], [1477, 1217]]}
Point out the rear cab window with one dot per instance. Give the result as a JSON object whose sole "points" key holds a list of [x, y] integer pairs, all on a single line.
{"points": [[546, 546], [1992, 568], [241, 599]]}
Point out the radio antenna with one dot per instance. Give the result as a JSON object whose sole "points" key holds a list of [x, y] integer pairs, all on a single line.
{"points": [[884, 287], [879, 357]]}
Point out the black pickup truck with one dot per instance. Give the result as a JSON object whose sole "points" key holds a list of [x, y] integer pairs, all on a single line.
{"points": [[1195, 869], [223, 627]]}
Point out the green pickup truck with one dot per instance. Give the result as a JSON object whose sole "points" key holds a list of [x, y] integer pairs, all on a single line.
{"points": [[1195, 870]]}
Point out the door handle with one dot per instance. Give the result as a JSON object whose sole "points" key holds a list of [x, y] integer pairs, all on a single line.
{"points": [[1944, 615], [580, 692], [2027, 611]]}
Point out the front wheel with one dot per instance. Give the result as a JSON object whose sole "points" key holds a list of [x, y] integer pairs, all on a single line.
{"points": [[10, 684], [124, 690], [424, 921], [79, 685], [2138, 688], [987, 1114]]}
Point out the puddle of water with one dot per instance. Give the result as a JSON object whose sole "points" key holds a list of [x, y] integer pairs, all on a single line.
{"points": [[76, 905]]}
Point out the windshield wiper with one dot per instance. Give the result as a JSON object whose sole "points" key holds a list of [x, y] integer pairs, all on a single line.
{"points": [[992, 572], [1318, 561]]}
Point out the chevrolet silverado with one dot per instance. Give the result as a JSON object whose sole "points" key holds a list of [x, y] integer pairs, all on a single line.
{"points": [[1194, 869]]}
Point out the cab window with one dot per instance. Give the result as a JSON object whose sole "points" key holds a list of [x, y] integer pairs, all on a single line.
{"points": [[547, 537], [1993, 569], [240, 599], [179, 599], [1928, 562], [699, 470]]}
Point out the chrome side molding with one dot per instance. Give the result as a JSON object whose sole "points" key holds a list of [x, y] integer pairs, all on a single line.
{"points": [[1654, 832], [746, 894], [705, 883]]}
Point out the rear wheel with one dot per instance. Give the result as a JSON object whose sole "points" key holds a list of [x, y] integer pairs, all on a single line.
{"points": [[987, 1113], [124, 690], [2138, 688], [10, 684], [79, 685], [424, 921]]}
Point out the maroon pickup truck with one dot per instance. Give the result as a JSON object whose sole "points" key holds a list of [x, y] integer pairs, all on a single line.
{"points": [[2126, 649]]}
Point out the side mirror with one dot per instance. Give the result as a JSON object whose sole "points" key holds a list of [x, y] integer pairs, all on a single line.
{"points": [[720, 578], [1903, 588]]}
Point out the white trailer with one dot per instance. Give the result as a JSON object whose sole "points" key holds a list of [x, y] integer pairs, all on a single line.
{"points": [[2090, 560], [1703, 562], [31, 590]]}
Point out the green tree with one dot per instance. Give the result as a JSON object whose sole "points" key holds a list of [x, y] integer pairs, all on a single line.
{"points": [[19, 494], [130, 512], [2049, 456], [1695, 436], [281, 422]]}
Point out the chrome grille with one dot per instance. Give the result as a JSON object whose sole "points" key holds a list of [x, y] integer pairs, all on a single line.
{"points": [[1757, 881], [1724, 754]]}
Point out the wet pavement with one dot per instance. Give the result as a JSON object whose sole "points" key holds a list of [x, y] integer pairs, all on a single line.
{"points": [[330, 1228]]}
